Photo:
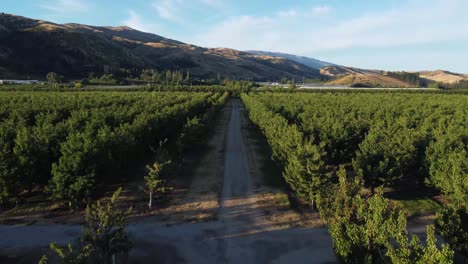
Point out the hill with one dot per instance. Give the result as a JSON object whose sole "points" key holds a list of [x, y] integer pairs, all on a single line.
{"points": [[30, 47], [311, 62], [354, 76], [443, 76]]}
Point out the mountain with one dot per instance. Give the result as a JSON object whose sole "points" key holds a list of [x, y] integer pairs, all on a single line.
{"points": [[313, 63], [30, 47]]}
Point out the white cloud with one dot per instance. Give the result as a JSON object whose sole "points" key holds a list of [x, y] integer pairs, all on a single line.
{"points": [[417, 22], [321, 10], [169, 9], [288, 13], [135, 21]]}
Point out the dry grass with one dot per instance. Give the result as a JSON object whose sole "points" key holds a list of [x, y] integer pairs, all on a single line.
{"points": [[443, 76], [372, 80]]}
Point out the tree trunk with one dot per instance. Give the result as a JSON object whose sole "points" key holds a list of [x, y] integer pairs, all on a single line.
{"points": [[150, 204]]}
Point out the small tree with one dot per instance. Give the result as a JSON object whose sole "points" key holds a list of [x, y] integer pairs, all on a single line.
{"points": [[104, 230], [154, 182], [103, 237], [53, 78], [413, 251]]}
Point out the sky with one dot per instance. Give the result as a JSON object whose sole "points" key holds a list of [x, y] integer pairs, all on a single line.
{"points": [[405, 35]]}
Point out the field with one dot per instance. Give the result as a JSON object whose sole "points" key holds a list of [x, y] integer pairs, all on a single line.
{"points": [[328, 175]]}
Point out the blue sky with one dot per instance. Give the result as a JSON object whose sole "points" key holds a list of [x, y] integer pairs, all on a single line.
{"points": [[386, 34]]}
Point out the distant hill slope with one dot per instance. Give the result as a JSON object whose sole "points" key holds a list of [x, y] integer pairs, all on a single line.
{"points": [[311, 62], [443, 76], [348, 76], [31, 47], [353, 76], [370, 80]]}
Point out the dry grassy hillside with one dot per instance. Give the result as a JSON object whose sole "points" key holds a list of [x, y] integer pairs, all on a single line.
{"points": [[353, 76], [443, 76], [35, 47], [371, 80]]}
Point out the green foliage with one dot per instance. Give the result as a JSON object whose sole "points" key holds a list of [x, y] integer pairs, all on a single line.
{"points": [[388, 153], [105, 79], [43, 260], [155, 184], [53, 78], [435, 85], [73, 142], [292, 86], [192, 133], [153, 180], [447, 161], [70, 256], [104, 231], [452, 224], [410, 250], [166, 78], [238, 87], [386, 137], [360, 227], [409, 77], [386, 134], [104, 235], [301, 159], [368, 230], [417, 207]]}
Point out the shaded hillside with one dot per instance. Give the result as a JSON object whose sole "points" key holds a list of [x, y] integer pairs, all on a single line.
{"points": [[311, 62], [31, 47]]}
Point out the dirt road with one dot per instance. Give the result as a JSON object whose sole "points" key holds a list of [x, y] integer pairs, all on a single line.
{"points": [[240, 234]]}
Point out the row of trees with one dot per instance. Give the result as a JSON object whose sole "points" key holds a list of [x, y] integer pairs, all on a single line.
{"points": [[409, 77], [392, 139], [167, 77], [383, 138], [391, 131], [71, 143]]}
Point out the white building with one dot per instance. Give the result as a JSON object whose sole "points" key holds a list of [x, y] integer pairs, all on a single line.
{"points": [[20, 82]]}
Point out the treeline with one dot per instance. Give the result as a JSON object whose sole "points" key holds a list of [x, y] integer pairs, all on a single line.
{"points": [[70, 144], [332, 145], [463, 84], [409, 77], [125, 77], [152, 77], [234, 88]]}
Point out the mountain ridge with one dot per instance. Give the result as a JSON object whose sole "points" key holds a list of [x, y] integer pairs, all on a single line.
{"points": [[311, 62], [35, 47]]}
